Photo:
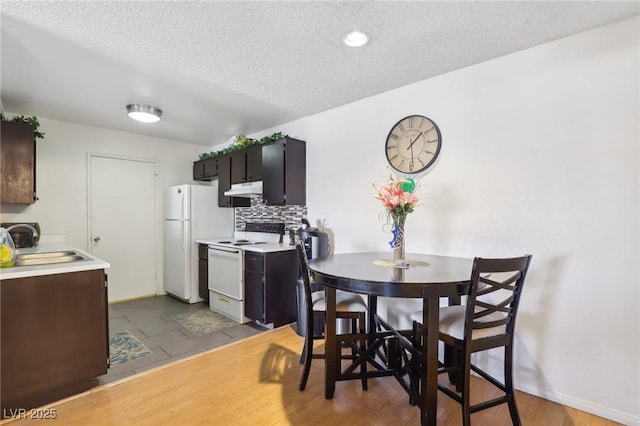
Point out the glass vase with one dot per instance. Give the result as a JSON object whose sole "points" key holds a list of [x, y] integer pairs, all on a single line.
{"points": [[397, 243]]}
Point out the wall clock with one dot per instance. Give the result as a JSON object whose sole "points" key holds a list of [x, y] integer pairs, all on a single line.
{"points": [[413, 144]]}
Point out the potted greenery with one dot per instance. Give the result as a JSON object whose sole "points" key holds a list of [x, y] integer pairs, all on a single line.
{"points": [[32, 121], [242, 142]]}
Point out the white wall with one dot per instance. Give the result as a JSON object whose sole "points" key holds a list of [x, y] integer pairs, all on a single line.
{"points": [[540, 155], [61, 177]]}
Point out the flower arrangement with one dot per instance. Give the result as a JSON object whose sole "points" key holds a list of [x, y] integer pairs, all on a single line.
{"points": [[399, 199]]}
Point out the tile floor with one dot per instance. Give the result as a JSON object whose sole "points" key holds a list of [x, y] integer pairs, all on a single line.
{"points": [[150, 321]]}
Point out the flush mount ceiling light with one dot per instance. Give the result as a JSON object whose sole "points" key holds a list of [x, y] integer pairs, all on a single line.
{"points": [[144, 113], [355, 39]]}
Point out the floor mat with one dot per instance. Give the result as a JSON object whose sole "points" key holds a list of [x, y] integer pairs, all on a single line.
{"points": [[125, 347], [203, 322]]}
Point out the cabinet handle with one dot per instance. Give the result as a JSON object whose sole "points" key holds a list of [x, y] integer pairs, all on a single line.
{"points": [[223, 300]]}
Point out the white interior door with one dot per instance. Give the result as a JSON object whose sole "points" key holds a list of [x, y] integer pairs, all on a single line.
{"points": [[123, 223]]}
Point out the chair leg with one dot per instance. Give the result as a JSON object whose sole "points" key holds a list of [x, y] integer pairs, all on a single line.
{"points": [[508, 384], [304, 351], [363, 343], [414, 378], [307, 352], [466, 381], [452, 357]]}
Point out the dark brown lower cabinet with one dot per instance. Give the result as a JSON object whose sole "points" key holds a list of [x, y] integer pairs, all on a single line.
{"points": [[203, 271], [54, 337], [270, 287]]}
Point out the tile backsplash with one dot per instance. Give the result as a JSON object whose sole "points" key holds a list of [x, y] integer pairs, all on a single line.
{"points": [[259, 212]]}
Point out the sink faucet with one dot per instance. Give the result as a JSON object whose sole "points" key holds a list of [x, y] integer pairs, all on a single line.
{"points": [[24, 225]]}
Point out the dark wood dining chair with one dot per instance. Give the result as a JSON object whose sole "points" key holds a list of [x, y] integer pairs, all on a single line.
{"points": [[486, 321], [348, 306]]}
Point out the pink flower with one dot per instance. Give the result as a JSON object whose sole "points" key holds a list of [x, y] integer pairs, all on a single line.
{"points": [[396, 201]]}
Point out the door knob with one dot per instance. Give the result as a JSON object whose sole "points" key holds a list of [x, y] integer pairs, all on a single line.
{"points": [[96, 239]]}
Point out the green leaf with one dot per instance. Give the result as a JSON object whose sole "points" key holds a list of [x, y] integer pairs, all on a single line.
{"points": [[33, 121], [248, 142]]}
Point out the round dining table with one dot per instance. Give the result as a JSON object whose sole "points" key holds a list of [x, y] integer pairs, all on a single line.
{"points": [[374, 274]]}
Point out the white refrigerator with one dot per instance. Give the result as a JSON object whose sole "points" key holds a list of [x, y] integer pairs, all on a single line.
{"points": [[191, 212]]}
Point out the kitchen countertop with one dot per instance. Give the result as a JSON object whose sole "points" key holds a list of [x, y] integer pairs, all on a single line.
{"points": [[268, 247], [258, 248], [213, 240], [92, 262]]}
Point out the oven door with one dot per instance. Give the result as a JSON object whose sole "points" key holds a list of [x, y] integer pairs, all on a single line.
{"points": [[225, 271]]}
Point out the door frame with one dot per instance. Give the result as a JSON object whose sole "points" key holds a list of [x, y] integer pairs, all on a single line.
{"points": [[90, 155]]}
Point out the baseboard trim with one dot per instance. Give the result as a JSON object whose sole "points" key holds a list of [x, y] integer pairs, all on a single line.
{"points": [[582, 405]]}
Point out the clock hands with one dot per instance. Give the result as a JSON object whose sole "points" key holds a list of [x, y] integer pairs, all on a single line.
{"points": [[411, 149], [415, 140]]}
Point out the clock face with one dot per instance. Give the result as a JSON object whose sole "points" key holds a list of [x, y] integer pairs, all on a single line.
{"points": [[413, 144]]}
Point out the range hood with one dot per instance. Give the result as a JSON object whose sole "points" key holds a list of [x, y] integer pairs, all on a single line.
{"points": [[248, 190]]}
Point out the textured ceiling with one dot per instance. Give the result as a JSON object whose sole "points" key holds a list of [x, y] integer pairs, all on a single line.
{"points": [[224, 68]]}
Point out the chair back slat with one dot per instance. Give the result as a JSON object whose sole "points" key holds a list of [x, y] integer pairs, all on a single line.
{"points": [[304, 270], [499, 282]]}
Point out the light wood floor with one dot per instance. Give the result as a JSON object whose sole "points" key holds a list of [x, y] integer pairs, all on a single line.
{"points": [[255, 382]]}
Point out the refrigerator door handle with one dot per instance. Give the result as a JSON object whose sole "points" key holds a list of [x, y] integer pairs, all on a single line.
{"points": [[182, 206], [182, 235]]}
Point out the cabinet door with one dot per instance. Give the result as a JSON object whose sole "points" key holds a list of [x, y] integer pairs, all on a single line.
{"points": [[198, 170], [254, 163], [224, 180], [238, 167], [203, 279], [56, 327], [210, 167], [273, 173], [18, 163], [254, 295], [280, 282], [295, 179]]}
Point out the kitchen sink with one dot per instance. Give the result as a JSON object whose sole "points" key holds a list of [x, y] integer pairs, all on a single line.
{"points": [[47, 258]]}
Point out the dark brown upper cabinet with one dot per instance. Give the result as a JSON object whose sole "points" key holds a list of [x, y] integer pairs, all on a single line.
{"points": [[205, 170], [254, 163], [246, 165], [281, 165], [224, 184], [238, 166], [18, 163], [284, 172]]}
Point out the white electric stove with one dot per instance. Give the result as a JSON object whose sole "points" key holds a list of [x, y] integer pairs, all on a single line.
{"points": [[226, 269]]}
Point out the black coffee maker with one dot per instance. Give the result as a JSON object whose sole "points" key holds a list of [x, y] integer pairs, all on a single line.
{"points": [[315, 242]]}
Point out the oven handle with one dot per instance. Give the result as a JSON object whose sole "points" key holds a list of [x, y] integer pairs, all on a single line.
{"points": [[225, 249]]}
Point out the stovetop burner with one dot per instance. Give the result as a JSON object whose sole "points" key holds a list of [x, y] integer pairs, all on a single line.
{"points": [[240, 242], [254, 233]]}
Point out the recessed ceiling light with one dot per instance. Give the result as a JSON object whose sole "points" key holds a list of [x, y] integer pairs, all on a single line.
{"points": [[355, 39], [144, 113]]}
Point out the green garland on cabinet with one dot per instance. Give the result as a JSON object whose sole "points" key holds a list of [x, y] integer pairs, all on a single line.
{"points": [[32, 121], [243, 143]]}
